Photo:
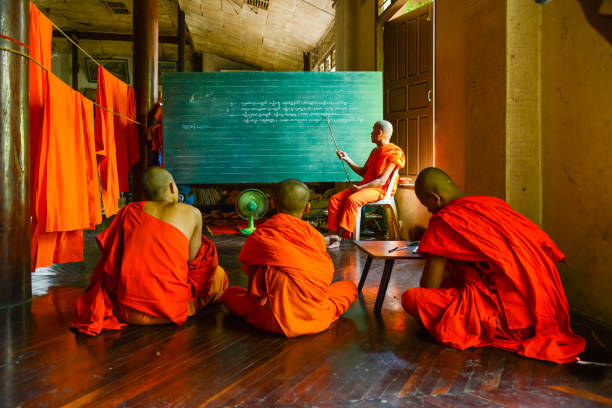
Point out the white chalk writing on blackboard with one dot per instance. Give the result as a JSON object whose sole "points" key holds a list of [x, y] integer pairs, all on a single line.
{"points": [[296, 111]]}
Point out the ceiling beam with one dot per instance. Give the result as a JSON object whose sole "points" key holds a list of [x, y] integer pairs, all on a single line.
{"points": [[166, 39], [390, 11]]}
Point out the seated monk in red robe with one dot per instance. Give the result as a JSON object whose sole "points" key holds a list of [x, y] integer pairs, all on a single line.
{"points": [[502, 288], [289, 272], [156, 267], [376, 173]]}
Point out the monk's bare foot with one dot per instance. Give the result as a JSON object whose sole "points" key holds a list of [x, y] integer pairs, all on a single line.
{"points": [[333, 245], [332, 241]]}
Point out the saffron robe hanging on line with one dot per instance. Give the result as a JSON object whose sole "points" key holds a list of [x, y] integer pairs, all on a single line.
{"points": [[116, 137], [63, 173]]}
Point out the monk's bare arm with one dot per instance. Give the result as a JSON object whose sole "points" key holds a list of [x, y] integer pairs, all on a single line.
{"points": [[379, 181], [249, 271], [361, 170], [433, 272], [195, 242]]}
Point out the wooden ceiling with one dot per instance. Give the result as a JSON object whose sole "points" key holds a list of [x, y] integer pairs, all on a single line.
{"points": [[241, 30], [98, 16], [273, 39]]}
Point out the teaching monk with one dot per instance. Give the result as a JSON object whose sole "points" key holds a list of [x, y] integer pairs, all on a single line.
{"points": [[376, 173], [155, 268], [290, 272], [501, 288]]}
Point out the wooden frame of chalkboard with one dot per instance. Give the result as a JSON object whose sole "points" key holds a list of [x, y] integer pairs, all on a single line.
{"points": [[265, 127]]}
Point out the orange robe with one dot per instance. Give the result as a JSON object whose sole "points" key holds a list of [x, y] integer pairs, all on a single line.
{"points": [[63, 175], [41, 33], [290, 274], [144, 268], [155, 133], [66, 179], [116, 137], [342, 207], [503, 289]]}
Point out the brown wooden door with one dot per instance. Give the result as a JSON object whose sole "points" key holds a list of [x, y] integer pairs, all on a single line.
{"points": [[408, 87]]}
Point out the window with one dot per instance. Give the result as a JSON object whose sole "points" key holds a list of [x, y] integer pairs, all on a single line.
{"points": [[409, 6], [383, 5], [328, 62]]}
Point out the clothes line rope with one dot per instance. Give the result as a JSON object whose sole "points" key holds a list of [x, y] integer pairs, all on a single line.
{"points": [[14, 40], [74, 42], [46, 69]]}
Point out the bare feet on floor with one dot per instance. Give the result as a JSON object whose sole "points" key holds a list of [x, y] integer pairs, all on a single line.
{"points": [[332, 241]]}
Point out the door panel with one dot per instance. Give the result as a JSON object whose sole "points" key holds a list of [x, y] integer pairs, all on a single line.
{"points": [[408, 76]]}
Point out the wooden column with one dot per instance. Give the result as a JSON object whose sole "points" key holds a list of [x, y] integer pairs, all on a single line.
{"points": [[15, 284], [181, 41], [198, 62], [75, 67], [306, 61], [145, 79]]}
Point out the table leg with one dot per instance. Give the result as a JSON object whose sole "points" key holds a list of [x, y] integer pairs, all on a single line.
{"points": [[364, 274], [384, 282]]}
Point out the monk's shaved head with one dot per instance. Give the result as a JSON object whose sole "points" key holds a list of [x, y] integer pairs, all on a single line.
{"points": [[155, 183], [434, 188], [432, 180], [386, 127], [291, 197]]}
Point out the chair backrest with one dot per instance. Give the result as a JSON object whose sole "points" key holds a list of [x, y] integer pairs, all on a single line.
{"points": [[394, 177]]}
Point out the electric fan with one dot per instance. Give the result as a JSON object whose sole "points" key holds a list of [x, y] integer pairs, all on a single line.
{"points": [[251, 204]]}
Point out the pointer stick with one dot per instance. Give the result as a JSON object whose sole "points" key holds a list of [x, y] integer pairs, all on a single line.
{"points": [[337, 149]]}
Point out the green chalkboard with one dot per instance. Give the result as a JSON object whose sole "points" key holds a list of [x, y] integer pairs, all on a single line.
{"points": [[263, 127]]}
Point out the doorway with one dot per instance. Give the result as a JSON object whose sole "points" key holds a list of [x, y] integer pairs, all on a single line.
{"points": [[408, 87]]}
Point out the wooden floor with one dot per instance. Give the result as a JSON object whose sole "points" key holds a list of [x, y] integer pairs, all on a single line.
{"points": [[217, 360]]}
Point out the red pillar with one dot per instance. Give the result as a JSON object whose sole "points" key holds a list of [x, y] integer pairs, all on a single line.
{"points": [[145, 78], [15, 279]]}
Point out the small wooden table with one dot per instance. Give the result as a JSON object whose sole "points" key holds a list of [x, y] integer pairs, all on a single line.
{"points": [[380, 250]]}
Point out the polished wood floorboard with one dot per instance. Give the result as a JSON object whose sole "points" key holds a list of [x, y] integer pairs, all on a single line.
{"points": [[216, 360]]}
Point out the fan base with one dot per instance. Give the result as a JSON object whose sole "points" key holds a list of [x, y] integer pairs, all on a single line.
{"points": [[246, 231]]}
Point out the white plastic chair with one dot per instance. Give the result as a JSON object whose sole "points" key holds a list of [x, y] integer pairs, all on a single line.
{"points": [[387, 201]]}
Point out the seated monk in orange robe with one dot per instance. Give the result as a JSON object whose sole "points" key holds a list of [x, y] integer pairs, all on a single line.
{"points": [[376, 173], [156, 267], [289, 272], [502, 288]]}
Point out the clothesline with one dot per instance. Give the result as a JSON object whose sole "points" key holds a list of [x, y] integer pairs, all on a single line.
{"points": [[74, 42], [94, 60], [46, 69]]}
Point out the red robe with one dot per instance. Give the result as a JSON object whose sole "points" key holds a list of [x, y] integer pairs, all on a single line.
{"points": [[378, 162], [116, 137], [41, 33], [291, 290], [63, 176], [155, 133], [343, 206], [144, 266], [503, 289]]}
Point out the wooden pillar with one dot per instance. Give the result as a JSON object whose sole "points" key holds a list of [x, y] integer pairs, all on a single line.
{"points": [[75, 67], [180, 67], [145, 79], [15, 284], [306, 61], [198, 62]]}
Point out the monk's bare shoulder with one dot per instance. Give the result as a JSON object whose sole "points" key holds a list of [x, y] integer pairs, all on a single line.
{"points": [[187, 207], [188, 210]]}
